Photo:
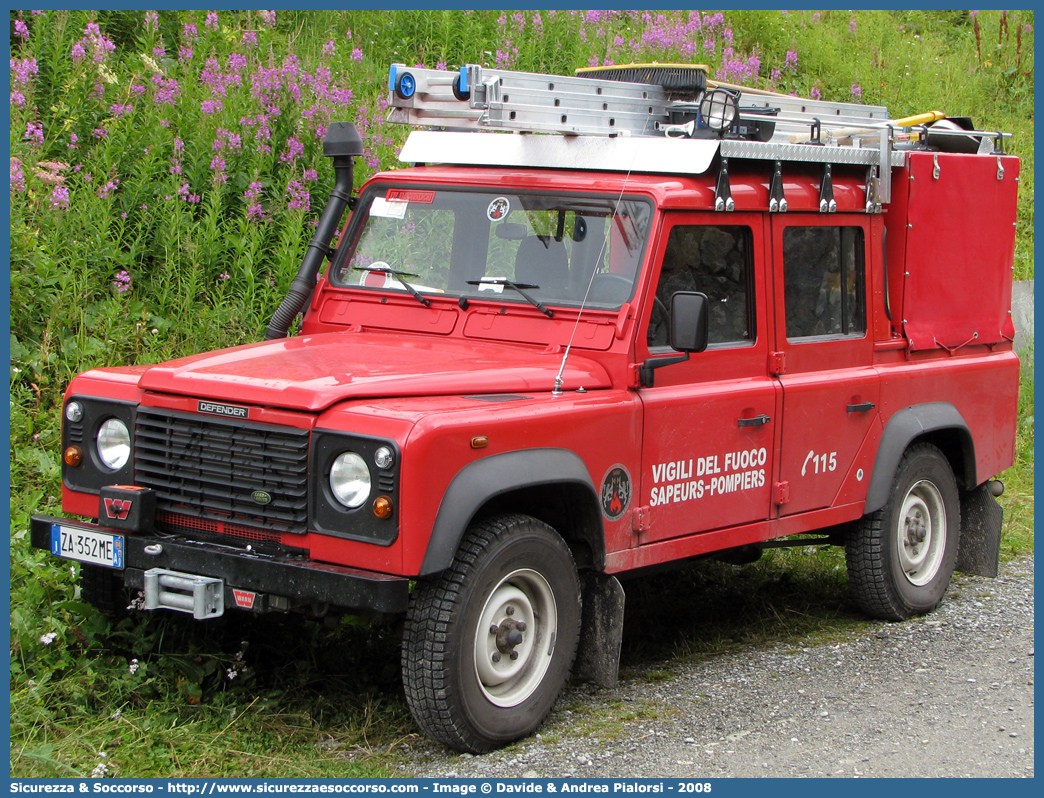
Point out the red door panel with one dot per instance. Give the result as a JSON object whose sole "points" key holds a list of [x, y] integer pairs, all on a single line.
{"points": [[711, 422], [831, 392]]}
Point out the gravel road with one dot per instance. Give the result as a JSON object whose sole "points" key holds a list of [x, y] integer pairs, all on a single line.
{"points": [[947, 694]]}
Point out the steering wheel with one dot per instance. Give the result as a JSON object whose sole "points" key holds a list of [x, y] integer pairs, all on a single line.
{"points": [[610, 288], [659, 324]]}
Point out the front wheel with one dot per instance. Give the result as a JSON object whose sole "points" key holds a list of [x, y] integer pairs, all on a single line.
{"points": [[900, 558], [489, 642]]}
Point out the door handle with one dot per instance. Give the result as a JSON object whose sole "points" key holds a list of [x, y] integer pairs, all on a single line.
{"points": [[757, 421], [862, 407]]}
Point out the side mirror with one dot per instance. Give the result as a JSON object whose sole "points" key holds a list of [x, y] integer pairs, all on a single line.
{"points": [[690, 332], [690, 321]]}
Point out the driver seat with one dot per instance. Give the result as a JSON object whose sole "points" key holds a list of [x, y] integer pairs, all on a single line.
{"points": [[542, 261]]}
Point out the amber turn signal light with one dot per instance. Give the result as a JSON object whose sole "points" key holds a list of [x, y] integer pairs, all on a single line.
{"points": [[382, 507], [73, 456]]}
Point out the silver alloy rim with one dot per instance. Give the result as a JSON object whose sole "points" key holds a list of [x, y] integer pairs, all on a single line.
{"points": [[510, 673], [921, 534]]}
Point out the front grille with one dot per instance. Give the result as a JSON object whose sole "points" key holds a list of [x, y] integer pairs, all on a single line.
{"points": [[212, 468], [173, 522]]}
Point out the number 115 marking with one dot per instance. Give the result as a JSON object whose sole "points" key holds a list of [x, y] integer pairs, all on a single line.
{"points": [[821, 463]]}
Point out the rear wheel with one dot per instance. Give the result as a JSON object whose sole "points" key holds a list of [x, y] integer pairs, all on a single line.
{"points": [[489, 642], [900, 558]]}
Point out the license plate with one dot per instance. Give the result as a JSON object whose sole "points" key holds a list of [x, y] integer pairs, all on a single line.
{"points": [[85, 545]]}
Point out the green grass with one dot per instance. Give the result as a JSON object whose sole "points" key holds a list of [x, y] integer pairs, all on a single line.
{"points": [[1018, 498], [305, 700], [209, 273]]}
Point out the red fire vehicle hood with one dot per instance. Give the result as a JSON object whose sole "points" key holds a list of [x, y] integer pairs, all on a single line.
{"points": [[313, 372]]}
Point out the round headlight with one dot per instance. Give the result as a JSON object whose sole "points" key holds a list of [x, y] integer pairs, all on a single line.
{"points": [[74, 411], [350, 479], [384, 457], [114, 444], [719, 109]]}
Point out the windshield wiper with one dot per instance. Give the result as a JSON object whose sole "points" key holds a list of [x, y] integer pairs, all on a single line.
{"points": [[398, 276], [520, 287]]}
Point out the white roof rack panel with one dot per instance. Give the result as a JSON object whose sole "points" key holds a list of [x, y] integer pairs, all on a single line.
{"points": [[599, 153]]}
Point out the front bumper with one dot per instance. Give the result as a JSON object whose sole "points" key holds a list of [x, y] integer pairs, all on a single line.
{"points": [[250, 580]]}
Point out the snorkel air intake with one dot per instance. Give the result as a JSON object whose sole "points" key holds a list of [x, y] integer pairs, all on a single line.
{"points": [[343, 144]]}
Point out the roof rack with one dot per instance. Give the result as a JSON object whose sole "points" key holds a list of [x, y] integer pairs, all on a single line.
{"points": [[581, 110]]}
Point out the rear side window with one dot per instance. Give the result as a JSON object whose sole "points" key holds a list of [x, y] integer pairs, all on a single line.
{"points": [[824, 282]]}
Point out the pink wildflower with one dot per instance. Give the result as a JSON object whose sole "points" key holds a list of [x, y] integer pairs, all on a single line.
{"points": [[17, 176], [300, 199], [59, 198], [34, 133], [106, 190], [23, 70], [253, 195], [294, 150]]}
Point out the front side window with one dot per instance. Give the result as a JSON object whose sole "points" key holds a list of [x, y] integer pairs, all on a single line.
{"points": [[714, 260], [558, 248], [824, 282]]}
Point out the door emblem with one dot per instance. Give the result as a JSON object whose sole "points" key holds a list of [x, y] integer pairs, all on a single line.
{"points": [[615, 493]]}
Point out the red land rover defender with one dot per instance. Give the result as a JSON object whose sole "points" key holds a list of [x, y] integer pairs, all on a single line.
{"points": [[654, 322]]}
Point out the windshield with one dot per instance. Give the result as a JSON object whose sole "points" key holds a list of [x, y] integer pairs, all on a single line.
{"points": [[487, 245]]}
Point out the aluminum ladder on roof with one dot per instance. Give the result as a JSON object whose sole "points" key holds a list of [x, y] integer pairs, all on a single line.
{"points": [[477, 98], [480, 98]]}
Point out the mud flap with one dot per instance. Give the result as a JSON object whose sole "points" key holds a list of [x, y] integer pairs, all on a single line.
{"points": [[981, 521], [601, 635]]}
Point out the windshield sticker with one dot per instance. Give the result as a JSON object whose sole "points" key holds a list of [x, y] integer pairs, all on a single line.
{"points": [[410, 195], [498, 209], [388, 210]]}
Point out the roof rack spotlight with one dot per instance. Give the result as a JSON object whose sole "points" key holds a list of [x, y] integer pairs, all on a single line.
{"points": [[719, 109]]}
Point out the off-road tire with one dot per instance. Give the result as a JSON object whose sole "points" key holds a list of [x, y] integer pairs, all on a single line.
{"points": [[103, 589], [503, 561], [891, 578]]}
